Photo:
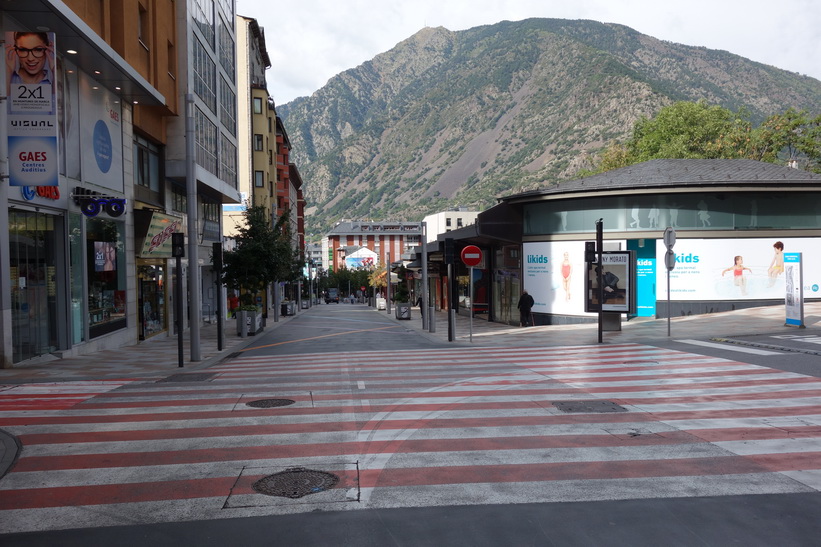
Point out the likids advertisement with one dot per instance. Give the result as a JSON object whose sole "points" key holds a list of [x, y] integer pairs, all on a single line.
{"points": [[555, 275], [736, 269]]}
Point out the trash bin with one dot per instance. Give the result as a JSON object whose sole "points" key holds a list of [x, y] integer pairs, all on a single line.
{"points": [[304, 304], [403, 310]]}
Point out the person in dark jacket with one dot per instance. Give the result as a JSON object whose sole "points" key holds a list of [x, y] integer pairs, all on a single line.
{"points": [[524, 305]]}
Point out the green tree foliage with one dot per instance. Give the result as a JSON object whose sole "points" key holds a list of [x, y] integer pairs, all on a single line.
{"points": [[263, 255], [699, 130]]}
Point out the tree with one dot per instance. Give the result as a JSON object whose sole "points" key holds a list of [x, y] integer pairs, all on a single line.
{"points": [[698, 130], [262, 255]]}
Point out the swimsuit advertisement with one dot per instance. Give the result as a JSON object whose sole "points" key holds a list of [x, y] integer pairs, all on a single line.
{"points": [[737, 269]]}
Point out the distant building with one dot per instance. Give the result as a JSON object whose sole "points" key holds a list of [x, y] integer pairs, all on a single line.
{"points": [[383, 238], [447, 221]]}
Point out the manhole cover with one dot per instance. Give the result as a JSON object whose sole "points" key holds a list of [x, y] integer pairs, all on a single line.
{"points": [[295, 482], [270, 403], [190, 377], [595, 405]]}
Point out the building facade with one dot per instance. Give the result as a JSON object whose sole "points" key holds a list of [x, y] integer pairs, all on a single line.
{"points": [[389, 240], [89, 255], [726, 214]]}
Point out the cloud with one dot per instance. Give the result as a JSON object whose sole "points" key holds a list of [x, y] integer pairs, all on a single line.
{"points": [[311, 41]]}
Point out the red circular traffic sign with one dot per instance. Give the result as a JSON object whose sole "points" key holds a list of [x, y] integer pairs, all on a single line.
{"points": [[471, 255]]}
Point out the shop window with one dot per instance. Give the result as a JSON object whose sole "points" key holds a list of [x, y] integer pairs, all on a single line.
{"points": [[106, 269]]}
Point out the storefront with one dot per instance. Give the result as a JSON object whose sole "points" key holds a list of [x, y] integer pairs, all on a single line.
{"points": [[36, 265], [153, 231]]}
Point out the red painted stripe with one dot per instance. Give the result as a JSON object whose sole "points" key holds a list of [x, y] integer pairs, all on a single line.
{"points": [[729, 465], [107, 494]]}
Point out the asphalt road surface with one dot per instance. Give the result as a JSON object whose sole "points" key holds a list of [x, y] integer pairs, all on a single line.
{"points": [[361, 432]]}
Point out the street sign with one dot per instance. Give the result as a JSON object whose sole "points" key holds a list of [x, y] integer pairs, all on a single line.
{"points": [[669, 238], [471, 255], [670, 260]]}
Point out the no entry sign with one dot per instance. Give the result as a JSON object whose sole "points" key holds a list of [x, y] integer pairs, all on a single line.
{"points": [[471, 255]]}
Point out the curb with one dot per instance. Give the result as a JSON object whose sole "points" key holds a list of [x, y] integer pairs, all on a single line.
{"points": [[9, 450]]}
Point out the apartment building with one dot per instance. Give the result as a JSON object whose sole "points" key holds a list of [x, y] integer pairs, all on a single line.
{"points": [[87, 260], [389, 240]]}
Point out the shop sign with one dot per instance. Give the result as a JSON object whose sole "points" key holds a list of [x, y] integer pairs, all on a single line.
{"points": [[47, 192], [157, 242]]}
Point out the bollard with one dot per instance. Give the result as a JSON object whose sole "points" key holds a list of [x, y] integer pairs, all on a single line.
{"points": [[432, 319]]}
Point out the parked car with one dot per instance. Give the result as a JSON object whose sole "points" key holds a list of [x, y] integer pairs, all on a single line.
{"points": [[332, 295]]}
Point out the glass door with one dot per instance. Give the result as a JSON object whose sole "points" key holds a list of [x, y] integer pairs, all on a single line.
{"points": [[33, 273]]}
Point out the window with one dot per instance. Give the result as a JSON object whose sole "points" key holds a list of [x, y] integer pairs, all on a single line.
{"points": [[205, 76], [228, 161], [210, 210], [204, 18], [142, 25], [226, 50], [259, 179], [257, 142], [172, 60], [206, 133], [179, 199], [147, 170], [228, 106], [447, 222], [106, 270], [458, 222], [257, 105]]}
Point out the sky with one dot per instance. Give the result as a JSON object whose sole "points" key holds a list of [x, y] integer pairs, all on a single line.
{"points": [[310, 41]]}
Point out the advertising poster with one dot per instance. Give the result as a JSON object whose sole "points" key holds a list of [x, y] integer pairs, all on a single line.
{"points": [[794, 285], [737, 269], [31, 106], [616, 280], [101, 136], [555, 275]]}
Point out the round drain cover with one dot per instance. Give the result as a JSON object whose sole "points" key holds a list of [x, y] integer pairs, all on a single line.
{"points": [[270, 403], [295, 482]]}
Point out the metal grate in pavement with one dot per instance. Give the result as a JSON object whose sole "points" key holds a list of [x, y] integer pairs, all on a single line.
{"points": [[594, 405]]}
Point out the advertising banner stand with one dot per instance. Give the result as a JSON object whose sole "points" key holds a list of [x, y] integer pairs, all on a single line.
{"points": [[794, 297]]}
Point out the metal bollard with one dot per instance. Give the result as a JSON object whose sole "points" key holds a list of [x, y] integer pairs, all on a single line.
{"points": [[432, 319]]}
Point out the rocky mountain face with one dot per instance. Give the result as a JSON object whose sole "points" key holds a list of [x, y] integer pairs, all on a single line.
{"points": [[450, 119]]}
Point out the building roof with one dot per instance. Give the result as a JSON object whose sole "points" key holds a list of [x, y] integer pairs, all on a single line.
{"points": [[345, 227], [675, 173]]}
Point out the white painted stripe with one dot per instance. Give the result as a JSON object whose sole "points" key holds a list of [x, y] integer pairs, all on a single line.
{"points": [[360, 384], [730, 347]]}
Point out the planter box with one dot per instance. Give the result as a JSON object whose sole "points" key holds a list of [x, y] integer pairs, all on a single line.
{"points": [[253, 322], [403, 310]]}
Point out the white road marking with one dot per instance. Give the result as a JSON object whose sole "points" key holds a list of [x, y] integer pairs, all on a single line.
{"points": [[730, 347]]}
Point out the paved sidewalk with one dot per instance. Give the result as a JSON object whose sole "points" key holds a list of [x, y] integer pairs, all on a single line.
{"points": [[751, 321]]}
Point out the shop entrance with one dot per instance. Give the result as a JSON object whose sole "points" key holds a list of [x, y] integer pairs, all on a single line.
{"points": [[33, 271], [152, 307]]}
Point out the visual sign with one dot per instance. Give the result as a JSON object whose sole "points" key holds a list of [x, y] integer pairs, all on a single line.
{"points": [[31, 107]]}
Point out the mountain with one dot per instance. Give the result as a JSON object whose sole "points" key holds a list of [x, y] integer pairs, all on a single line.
{"points": [[458, 118]]}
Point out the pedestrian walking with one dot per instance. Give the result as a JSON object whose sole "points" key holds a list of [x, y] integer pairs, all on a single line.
{"points": [[525, 304]]}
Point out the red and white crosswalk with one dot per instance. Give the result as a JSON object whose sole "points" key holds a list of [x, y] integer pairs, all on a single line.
{"points": [[409, 428]]}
